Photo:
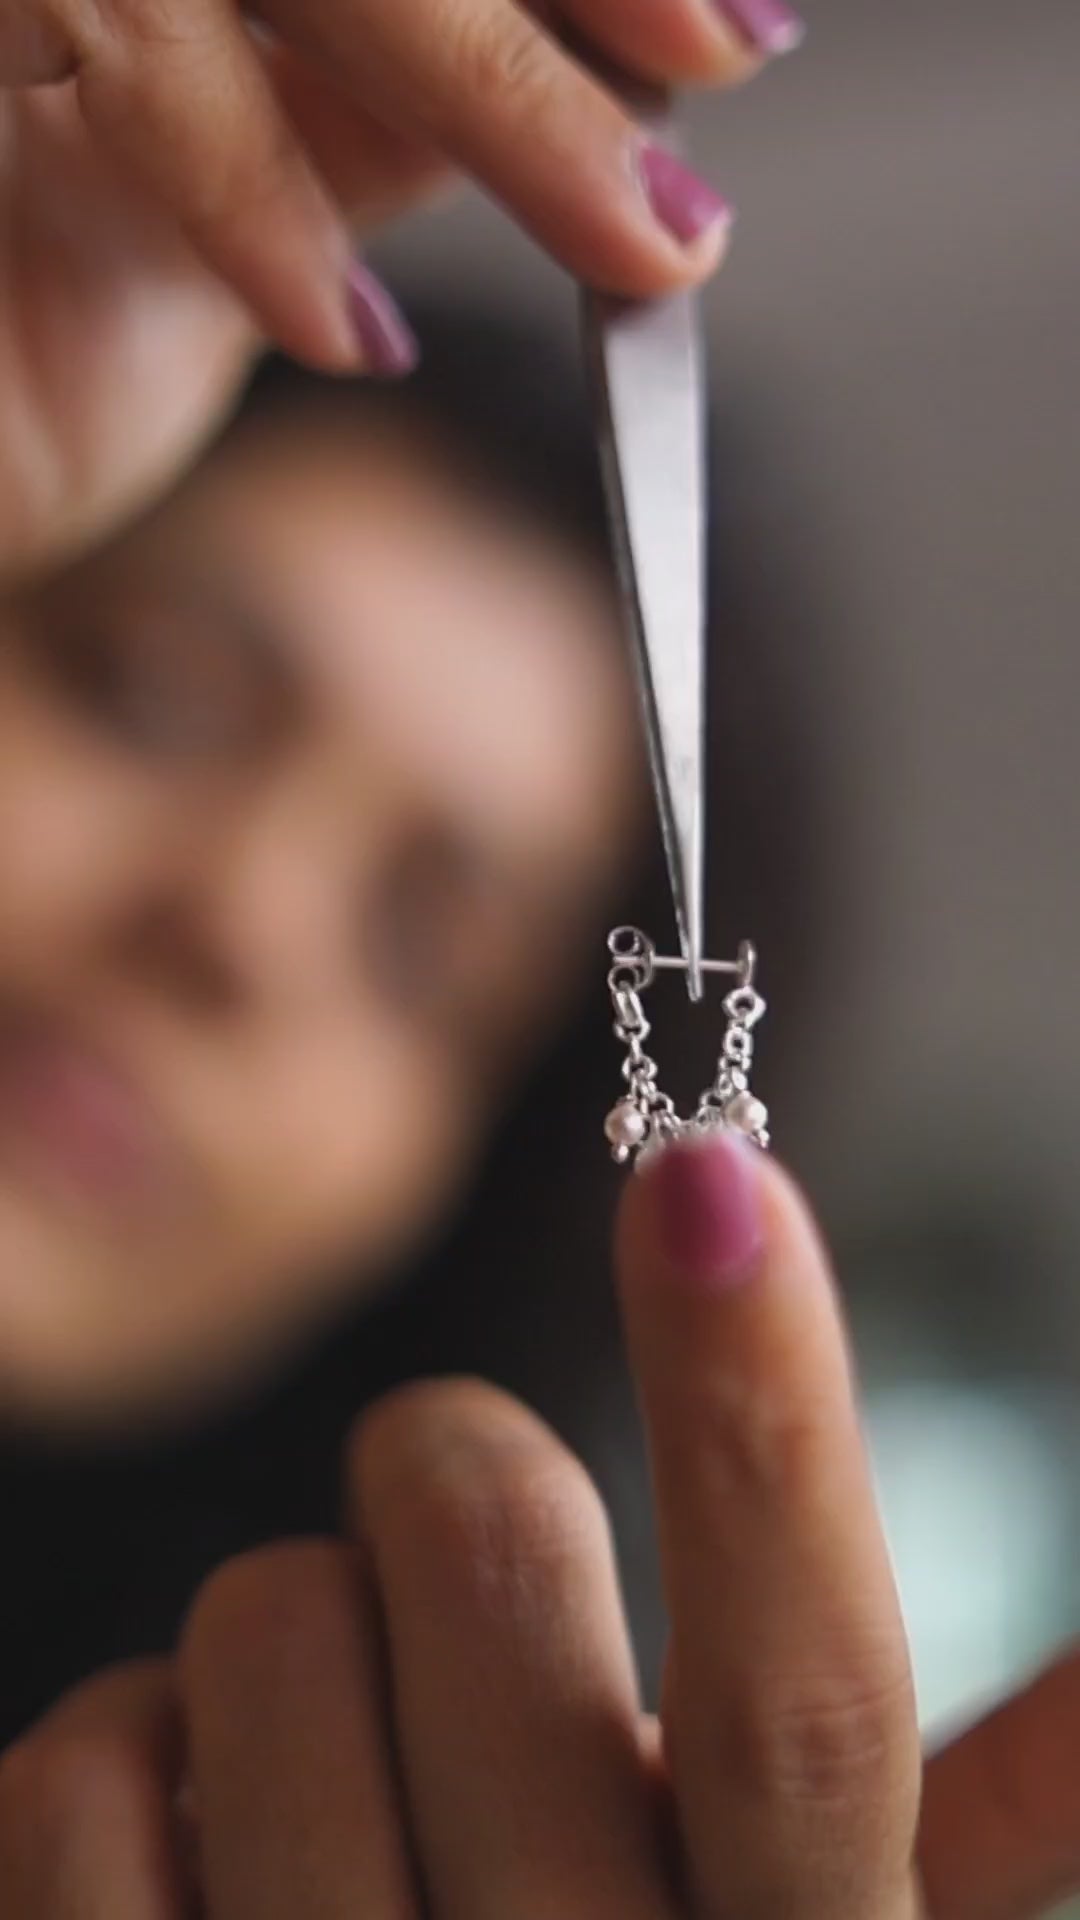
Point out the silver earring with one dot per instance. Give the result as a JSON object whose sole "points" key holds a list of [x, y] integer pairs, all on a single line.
{"points": [[644, 1118]]}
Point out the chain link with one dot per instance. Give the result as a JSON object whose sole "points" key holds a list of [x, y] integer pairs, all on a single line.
{"points": [[639, 1070], [744, 1007]]}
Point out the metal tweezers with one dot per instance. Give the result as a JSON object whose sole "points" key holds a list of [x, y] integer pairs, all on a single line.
{"points": [[648, 380]]}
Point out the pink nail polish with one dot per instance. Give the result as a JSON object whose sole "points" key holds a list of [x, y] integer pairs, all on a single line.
{"points": [[388, 343], [769, 26], [683, 203], [708, 1210]]}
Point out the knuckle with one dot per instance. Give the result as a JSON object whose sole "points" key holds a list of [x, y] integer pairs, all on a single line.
{"points": [[757, 1443], [829, 1744], [186, 82], [499, 55], [145, 26]]}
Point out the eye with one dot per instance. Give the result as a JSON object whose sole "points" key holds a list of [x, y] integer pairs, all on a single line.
{"points": [[166, 680], [437, 942]]}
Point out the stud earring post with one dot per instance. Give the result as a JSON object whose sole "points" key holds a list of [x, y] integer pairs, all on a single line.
{"points": [[673, 962]]}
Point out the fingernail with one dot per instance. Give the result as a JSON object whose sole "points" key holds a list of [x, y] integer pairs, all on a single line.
{"points": [[386, 339], [684, 203], [708, 1210], [768, 25]]}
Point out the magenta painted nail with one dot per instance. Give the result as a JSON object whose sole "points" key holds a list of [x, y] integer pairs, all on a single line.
{"points": [[684, 203], [707, 1209], [389, 345], [768, 25]]}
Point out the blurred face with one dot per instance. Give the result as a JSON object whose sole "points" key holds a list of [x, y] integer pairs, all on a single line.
{"points": [[309, 791]]}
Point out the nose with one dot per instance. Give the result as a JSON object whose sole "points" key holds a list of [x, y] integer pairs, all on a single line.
{"points": [[251, 913]]}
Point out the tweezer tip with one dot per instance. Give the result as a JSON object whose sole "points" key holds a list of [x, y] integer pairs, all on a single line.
{"points": [[690, 947]]}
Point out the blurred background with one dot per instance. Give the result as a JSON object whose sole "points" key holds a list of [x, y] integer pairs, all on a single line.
{"points": [[898, 339]]}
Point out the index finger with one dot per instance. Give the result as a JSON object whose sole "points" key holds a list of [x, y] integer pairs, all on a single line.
{"points": [[789, 1717]]}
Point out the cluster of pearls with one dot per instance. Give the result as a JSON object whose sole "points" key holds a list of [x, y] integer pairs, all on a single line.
{"points": [[644, 1118], [630, 1133]]}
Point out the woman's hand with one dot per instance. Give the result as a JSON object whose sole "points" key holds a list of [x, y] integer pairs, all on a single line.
{"points": [[120, 348], [171, 183], [445, 1720]]}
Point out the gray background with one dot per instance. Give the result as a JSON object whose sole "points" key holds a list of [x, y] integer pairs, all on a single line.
{"points": [[901, 315]]}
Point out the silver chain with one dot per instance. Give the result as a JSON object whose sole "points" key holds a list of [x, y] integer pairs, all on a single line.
{"points": [[744, 1007], [644, 1117], [639, 1069]]}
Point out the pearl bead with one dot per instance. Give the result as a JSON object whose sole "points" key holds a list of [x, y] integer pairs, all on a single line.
{"points": [[647, 1154], [625, 1126], [747, 1114]]}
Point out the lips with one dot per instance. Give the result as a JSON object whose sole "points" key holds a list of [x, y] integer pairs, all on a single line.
{"points": [[72, 1120]]}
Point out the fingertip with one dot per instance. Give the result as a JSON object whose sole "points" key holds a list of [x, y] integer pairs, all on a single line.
{"points": [[639, 261], [688, 208], [769, 28], [337, 317], [694, 1215], [706, 1216], [387, 344]]}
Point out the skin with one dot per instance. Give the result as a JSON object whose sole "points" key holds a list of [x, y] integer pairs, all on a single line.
{"points": [[153, 225], [328, 1741], [284, 903]]}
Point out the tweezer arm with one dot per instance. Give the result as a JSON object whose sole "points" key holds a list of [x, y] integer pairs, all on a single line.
{"points": [[646, 366]]}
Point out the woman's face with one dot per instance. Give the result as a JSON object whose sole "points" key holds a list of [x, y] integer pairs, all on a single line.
{"points": [[309, 790]]}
